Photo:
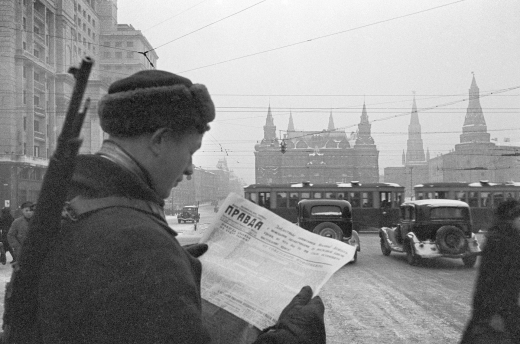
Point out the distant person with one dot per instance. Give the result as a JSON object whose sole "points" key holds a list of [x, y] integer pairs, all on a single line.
{"points": [[6, 219], [19, 228], [496, 313]]}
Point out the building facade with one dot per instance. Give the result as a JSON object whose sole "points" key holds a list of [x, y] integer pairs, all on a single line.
{"points": [[326, 156], [39, 41]]}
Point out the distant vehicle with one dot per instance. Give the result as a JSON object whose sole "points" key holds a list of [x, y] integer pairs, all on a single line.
{"points": [[432, 228], [330, 218], [189, 213], [374, 205], [481, 197]]}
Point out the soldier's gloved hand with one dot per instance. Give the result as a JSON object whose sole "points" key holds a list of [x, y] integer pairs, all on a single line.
{"points": [[300, 322], [196, 250]]}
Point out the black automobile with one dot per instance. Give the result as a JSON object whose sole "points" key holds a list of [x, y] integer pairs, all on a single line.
{"points": [[432, 228], [189, 213], [330, 218]]}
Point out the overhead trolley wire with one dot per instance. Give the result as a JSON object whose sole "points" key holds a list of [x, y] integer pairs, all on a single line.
{"points": [[324, 36]]}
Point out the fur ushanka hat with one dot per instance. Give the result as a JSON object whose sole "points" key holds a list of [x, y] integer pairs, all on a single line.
{"points": [[152, 99]]}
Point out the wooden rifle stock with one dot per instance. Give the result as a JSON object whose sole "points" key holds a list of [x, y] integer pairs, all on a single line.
{"points": [[21, 306]]}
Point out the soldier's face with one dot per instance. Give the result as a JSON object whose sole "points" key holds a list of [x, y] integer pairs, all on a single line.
{"points": [[175, 160]]}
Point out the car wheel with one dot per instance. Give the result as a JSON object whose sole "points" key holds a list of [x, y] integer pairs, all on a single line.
{"points": [[469, 261], [411, 257], [328, 229], [384, 247], [451, 240]]}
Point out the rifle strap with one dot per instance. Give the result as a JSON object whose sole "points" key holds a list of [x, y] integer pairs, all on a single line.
{"points": [[80, 206]]}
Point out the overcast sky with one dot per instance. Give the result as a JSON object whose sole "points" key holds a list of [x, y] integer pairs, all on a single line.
{"points": [[314, 57]]}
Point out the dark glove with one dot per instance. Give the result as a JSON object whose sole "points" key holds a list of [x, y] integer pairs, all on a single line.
{"points": [[196, 250], [301, 321]]}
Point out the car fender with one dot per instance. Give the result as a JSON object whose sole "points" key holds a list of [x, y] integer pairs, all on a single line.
{"points": [[354, 240]]}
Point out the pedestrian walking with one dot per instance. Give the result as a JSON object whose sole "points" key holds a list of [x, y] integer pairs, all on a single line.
{"points": [[117, 273], [6, 219], [19, 228], [496, 313]]}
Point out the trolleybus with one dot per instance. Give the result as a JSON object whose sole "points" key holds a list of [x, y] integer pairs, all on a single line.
{"points": [[374, 205], [481, 196]]}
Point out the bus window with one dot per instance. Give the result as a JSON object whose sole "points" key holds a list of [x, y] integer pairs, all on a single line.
{"points": [[461, 196], [264, 199], [341, 195], [305, 195], [512, 195], [473, 199], [316, 195], [441, 194], [385, 199], [355, 199], [419, 195], [294, 198], [398, 199], [253, 197], [497, 198], [485, 200], [367, 199], [281, 199], [329, 195]]}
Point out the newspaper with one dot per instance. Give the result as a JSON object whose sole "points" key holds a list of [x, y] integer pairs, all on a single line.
{"points": [[257, 262]]}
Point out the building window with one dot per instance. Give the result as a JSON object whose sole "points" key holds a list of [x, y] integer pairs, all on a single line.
{"points": [[130, 54], [24, 125], [84, 14], [24, 98], [106, 44], [24, 46], [36, 100], [88, 18], [36, 53], [88, 32], [24, 23], [119, 55], [36, 126], [129, 44], [37, 30], [119, 44], [106, 55], [93, 23], [36, 151], [24, 71], [84, 27], [36, 76]]}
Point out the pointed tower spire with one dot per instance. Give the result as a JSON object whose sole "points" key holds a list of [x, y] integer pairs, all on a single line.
{"points": [[290, 127], [474, 128], [364, 134], [414, 145], [331, 122], [404, 158], [269, 127], [427, 154]]}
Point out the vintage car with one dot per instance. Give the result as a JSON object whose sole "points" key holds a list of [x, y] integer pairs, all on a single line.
{"points": [[432, 228], [330, 218], [189, 213]]}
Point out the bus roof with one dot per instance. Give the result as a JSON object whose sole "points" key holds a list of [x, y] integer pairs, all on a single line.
{"points": [[438, 203], [352, 184], [480, 184]]}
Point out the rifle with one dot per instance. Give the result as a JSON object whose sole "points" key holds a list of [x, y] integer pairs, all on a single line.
{"points": [[21, 306]]}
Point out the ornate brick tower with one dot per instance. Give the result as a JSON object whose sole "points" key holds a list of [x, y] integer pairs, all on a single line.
{"points": [[474, 128], [414, 147]]}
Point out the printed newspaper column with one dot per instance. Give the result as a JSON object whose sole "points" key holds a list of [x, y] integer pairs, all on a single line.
{"points": [[256, 263]]}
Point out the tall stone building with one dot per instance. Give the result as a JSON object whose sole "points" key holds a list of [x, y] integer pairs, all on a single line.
{"points": [[415, 161], [326, 156], [39, 41], [474, 158]]}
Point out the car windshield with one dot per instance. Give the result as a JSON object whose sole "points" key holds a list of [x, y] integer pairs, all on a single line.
{"points": [[326, 210], [448, 213]]}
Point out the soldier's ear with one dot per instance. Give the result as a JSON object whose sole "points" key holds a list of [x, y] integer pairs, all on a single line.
{"points": [[156, 140]]}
